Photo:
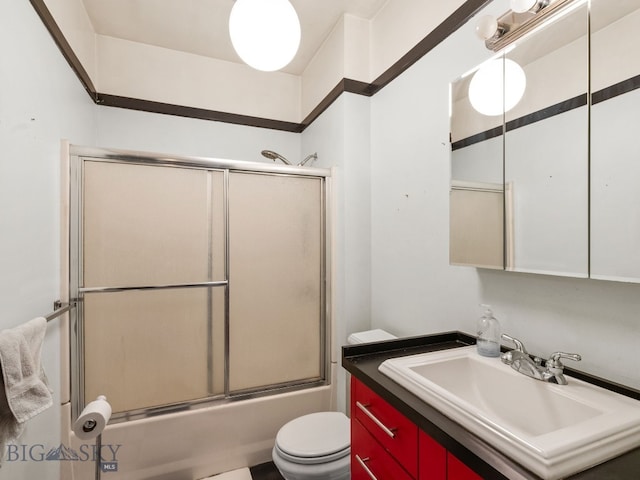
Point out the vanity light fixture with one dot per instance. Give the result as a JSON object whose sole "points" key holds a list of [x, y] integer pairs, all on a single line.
{"points": [[497, 86], [265, 33], [487, 27], [521, 6], [524, 17]]}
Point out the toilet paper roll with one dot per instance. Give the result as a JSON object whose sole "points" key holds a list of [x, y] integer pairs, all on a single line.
{"points": [[93, 419]]}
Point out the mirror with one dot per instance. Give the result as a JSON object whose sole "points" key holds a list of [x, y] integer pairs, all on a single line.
{"points": [[532, 159], [546, 151], [476, 227], [615, 148]]}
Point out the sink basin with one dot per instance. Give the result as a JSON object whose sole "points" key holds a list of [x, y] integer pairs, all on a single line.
{"points": [[553, 430]]}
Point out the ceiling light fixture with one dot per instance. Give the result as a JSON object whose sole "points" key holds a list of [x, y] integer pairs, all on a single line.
{"points": [[265, 33]]}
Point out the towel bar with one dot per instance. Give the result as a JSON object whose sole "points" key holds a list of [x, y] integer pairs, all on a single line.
{"points": [[59, 309]]}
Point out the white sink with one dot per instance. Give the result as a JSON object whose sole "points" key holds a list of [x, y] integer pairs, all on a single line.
{"points": [[553, 430]]}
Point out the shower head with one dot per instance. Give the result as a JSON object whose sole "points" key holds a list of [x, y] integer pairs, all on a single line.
{"points": [[271, 155], [313, 157]]}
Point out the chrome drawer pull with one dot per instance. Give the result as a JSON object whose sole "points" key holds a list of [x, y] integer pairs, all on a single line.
{"points": [[366, 469], [384, 428]]}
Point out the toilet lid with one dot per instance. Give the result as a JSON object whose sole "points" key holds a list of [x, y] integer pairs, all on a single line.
{"points": [[315, 435]]}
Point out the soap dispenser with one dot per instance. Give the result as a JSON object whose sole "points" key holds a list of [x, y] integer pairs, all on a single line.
{"points": [[488, 343]]}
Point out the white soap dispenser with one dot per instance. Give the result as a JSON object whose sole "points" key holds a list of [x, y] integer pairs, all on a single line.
{"points": [[488, 343]]}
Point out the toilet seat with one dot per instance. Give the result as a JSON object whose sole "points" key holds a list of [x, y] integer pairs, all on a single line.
{"points": [[312, 460], [315, 438]]}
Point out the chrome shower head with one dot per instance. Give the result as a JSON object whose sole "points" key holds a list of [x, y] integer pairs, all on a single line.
{"points": [[271, 155]]}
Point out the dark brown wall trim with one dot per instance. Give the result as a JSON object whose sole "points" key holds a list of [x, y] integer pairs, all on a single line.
{"points": [[454, 21], [440, 33], [192, 112], [344, 85], [58, 37]]}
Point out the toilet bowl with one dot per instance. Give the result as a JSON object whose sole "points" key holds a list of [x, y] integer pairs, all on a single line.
{"points": [[317, 446], [314, 447]]}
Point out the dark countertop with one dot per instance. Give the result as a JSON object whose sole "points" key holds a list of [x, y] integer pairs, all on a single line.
{"points": [[362, 362]]}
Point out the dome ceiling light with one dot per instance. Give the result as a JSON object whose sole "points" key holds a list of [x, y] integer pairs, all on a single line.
{"points": [[265, 33]]}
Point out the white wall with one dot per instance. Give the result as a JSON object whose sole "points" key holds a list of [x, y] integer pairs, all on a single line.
{"points": [[401, 24], [341, 137], [150, 132], [73, 20], [415, 291], [137, 70], [41, 101]]}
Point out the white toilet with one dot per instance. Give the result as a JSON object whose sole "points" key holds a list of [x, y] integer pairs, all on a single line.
{"points": [[317, 446]]}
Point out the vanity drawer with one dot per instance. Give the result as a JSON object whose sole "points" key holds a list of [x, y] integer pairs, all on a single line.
{"points": [[394, 431], [369, 461]]}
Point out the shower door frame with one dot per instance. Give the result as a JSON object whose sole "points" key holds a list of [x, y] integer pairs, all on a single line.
{"points": [[77, 156]]}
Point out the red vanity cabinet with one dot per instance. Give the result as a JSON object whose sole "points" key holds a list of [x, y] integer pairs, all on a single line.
{"points": [[385, 445], [456, 470], [369, 460], [392, 430], [432, 459]]}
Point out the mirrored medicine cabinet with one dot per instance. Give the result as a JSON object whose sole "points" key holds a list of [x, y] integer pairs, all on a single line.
{"points": [[552, 184]]}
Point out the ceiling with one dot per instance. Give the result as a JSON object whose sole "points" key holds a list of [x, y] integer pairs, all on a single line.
{"points": [[200, 26]]}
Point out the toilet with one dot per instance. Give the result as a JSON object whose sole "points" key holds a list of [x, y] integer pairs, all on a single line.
{"points": [[317, 446]]}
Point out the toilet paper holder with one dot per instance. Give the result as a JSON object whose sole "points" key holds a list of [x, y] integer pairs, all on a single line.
{"points": [[89, 426], [91, 423]]}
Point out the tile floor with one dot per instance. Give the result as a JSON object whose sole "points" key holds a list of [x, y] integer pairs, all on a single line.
{"points": [[265, 471]]}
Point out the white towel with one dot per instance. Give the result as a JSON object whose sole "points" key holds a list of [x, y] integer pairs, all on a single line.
{"points": [[25, 390]]}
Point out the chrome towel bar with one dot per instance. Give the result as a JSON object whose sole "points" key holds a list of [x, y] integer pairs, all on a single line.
{"points": [[59, 309]]}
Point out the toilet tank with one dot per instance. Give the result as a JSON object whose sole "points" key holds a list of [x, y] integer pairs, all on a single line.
{"points": [[376, 335], [366, 336]]}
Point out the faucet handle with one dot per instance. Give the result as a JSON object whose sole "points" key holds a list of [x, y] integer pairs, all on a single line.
{"points": [[519, 345], [554, 359]]}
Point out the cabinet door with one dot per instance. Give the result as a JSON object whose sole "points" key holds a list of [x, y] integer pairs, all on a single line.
{"points": [[432, 462], [615, 115], [392, 429], [456, 470], [369, 461]]}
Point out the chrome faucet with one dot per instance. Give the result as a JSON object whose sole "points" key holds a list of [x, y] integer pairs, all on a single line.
{"points": [[521, 361]]}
